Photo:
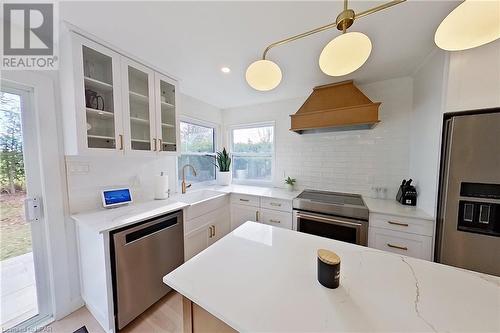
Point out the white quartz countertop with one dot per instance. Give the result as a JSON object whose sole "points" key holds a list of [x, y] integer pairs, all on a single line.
{"points": [[271, 192], [393, 207], [108, 219], [263, 279]]}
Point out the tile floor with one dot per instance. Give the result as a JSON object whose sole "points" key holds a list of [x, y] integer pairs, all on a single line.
{"points": [[164, 316]]}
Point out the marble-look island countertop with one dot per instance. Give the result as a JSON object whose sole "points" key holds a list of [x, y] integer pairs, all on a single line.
{"points": [[263, 279]]}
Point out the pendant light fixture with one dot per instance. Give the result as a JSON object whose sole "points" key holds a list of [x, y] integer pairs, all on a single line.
{"points": [[343, 55], [473, 23]]}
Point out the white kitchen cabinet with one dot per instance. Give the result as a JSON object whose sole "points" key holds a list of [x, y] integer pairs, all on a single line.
{"points": [[413, 245], [139, 107], [241, 214], [114, 104], [272, 211], [166, 101], [276, 218], [210, 228]]}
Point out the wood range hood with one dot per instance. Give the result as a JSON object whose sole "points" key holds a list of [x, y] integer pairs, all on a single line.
{"points": [[334, 107]]}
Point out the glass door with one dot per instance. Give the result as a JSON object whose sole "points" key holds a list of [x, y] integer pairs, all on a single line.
{"points": [[166, 113], [139, 107], [99, 88], [24, 282]]}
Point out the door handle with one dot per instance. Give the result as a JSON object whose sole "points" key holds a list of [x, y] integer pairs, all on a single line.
{"points": [[404, 248], [398, 223], [32, 209], [120, 136]]}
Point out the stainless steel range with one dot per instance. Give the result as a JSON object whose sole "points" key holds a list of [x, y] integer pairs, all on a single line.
{"points": [[339, 216]]}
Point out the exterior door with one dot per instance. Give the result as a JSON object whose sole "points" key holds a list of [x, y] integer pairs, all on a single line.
{"points": [[25, 289]]}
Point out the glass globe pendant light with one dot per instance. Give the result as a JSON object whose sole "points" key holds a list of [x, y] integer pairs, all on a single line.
{"points": [[345, 54], [263, 75], [473, 23]]}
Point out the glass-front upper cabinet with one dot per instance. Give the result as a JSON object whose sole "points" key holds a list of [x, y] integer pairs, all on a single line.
{"points": [[100, 85], [166, 99], [138, 92]]}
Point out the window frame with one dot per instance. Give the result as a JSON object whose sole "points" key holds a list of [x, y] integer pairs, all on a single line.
{"points": [[202, 123], [272, 154]]}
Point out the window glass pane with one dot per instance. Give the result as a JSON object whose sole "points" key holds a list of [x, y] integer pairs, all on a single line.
{"points": [[252, 168], [203, 164], [253, 140], [196, 139]]}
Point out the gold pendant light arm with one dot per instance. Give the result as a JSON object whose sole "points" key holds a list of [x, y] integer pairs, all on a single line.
{"points": [[346, 15], [299, 36], [378, 8]]}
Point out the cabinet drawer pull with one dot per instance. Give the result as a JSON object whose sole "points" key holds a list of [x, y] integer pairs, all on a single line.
{"points": [[210, 232], [257, 216], [155, 145], [215, 231], [121, 141], [160, 148], [244, 200], [275, 221], [398, 223], [397, 247], [275, 204]]}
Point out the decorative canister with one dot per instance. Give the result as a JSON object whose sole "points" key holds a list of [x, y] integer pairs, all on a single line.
{"points": [[328, 268]]}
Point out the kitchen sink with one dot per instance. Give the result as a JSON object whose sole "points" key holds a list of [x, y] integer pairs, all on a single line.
{"points": [[202, 202], [196, 197]]}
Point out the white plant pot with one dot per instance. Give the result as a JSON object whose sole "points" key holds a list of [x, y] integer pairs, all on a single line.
{"points": [[289, 187], [224, 178]]}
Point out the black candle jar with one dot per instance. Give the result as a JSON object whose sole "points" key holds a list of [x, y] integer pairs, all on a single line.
{"points": [[328, 268]]}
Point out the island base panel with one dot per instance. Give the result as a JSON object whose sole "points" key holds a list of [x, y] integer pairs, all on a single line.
{"points": [[198, 320]]}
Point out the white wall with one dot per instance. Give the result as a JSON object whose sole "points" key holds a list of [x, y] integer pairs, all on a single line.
{"points": [[474, 78], [350, 161], [136, 172], [426, 122], [447, 82]]}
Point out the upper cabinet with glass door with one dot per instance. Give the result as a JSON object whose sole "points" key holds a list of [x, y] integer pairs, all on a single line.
{"points": [[113, 103], [138, 90], [101, 98], [166, 99]]}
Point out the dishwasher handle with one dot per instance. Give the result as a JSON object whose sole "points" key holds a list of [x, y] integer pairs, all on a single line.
{"points": [[147, 229]]}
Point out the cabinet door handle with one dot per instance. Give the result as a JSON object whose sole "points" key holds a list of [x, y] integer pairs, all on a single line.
{"points": [[211, 234], [275, 204], [155, 145], [159, 145], [404, 248], [120, 136], [257, 216], [398, 223], [215, 231], [244, 200], [275, 221]]}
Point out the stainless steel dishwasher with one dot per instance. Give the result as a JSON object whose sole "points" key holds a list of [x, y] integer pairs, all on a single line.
{"points": [[141, 255]]}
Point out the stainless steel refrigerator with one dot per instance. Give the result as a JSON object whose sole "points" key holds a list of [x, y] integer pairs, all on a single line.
{"points": [[468, 223]]}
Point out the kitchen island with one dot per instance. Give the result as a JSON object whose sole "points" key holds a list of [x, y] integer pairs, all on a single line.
{"points": [[263, 279]]}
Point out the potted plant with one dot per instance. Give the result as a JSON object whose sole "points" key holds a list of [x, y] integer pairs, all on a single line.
{"points": [[223, 164], [290, 182]]}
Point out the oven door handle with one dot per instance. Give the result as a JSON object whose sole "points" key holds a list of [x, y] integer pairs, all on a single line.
{"points": [[328, 220]]}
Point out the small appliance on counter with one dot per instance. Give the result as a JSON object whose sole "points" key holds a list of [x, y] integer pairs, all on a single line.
{"points": [[407, 194], [116, 197]]}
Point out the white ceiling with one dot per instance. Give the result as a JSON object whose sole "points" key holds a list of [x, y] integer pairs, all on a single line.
{"points": [[193, 40]]}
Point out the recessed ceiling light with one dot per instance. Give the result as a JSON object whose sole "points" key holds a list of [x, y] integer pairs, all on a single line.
{"points": [[225, 70]]}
